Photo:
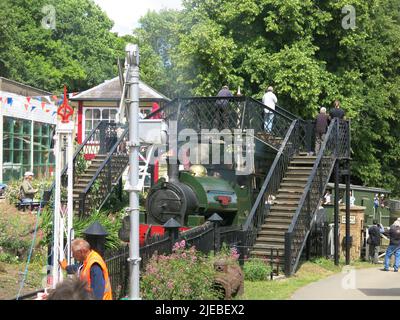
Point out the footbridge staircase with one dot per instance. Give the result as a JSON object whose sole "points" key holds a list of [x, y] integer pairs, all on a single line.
{"points": [[290, 184]]}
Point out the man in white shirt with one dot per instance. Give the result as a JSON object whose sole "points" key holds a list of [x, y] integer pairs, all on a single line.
{"points": [[269, 99]]}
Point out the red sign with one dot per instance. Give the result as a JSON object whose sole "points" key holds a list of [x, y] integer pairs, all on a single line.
{"points": [[65, 111]]}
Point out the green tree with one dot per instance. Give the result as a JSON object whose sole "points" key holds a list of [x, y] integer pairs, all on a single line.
{"points": [[79, 51], [307, 51]]}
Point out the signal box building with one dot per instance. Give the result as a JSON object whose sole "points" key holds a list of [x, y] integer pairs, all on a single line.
{"points": [[102, 103]]}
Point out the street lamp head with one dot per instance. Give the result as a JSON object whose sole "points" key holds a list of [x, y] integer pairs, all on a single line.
{"points": [[132, 54]]}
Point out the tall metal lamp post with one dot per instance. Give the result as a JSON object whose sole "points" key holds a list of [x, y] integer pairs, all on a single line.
{"points": [[132, 102]]}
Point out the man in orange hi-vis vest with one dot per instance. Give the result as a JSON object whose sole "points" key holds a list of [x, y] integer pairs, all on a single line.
{"points": [[93, 269]]}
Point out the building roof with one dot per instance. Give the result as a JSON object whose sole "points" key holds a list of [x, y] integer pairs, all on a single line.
{"points": [[21, 89], [110, 90], [360, 188]]}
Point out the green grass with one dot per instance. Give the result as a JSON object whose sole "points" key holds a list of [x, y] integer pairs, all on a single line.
{"points": [[308, 272]]}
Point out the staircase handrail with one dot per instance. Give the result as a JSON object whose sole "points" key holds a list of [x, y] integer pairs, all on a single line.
{"points": [[77, 151], [331, 138], [110, 155]]}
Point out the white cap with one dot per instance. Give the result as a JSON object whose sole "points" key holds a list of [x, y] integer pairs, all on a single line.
{"points": [[28, 173]]}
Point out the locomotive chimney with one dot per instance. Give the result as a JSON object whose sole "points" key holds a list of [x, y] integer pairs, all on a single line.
{"points": [[173, 170]]}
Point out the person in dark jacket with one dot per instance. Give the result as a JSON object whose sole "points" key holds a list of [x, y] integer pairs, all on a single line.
{"points": [[321, 125], [393, 248], [336, 111], [222, 105], [374, 242]]}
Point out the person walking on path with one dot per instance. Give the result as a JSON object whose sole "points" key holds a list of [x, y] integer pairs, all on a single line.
{"points": [[270, 100], [374, 242], [393, 248], [321, 125], [93, 269]]}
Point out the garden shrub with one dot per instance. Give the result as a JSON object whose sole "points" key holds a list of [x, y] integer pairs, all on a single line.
{"points": [[16, 230], [111, 223], [186, 274], [256, 270]]}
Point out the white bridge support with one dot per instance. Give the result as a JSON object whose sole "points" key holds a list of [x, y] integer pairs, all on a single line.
{"points": [[63, 214]]}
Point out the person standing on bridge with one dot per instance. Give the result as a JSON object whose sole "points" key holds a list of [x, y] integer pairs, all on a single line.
{"points": [[270, 100], [321, 125], [222, 108], [336, 111], [393, 248]]}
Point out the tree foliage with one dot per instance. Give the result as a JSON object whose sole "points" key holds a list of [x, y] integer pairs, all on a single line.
{"points": [[79, 50], [307, 50]]}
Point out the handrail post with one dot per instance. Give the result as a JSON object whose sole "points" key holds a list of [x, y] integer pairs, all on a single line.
{"points": [[102, 138], [288, 253]]}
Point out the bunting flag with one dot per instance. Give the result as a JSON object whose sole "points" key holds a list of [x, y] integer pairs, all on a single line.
{"points": [[43, 105], [54, 112], [26, 106], [28, 99], [10, 101], [54, 97], [33, 108]]}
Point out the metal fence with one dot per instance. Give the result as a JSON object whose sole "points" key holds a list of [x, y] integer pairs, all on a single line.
{"points": [[205, 238]]}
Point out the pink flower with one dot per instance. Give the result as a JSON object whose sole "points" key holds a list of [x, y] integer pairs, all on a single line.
{"points": [[170, 284]]}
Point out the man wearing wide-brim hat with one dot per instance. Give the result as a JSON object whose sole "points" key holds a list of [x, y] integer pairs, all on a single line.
{"points": [[27, 192]]}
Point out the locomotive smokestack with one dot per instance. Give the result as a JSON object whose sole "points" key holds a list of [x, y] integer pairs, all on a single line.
{"points": [[173, 170]]}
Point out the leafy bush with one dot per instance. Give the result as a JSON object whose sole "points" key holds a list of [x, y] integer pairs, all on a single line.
{"points": [[256, 270], [111, 223], [8, 258], [16, 230], [184, 275]]}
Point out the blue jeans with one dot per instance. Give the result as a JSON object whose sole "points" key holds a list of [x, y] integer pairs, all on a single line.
{"points": [[392, 249], [268, 120]]}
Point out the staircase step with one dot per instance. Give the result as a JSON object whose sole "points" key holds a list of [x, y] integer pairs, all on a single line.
{"points": [[288, 196], [285, 202], [269, 247], [274, 227], [266, 254], [278, 220], [295, 179], [283, 208], [293, 191], [293, 168], [80, 185], [296, 175], [304, 161], [275, 239], [304, 157], [272, 233], [293, 185], [281, 214]]}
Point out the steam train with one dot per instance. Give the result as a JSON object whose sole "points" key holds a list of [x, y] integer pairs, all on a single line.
{"points": [[191, 196]]}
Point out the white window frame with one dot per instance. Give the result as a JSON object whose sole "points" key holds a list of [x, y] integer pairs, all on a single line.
{"points": [[101, 116]]}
